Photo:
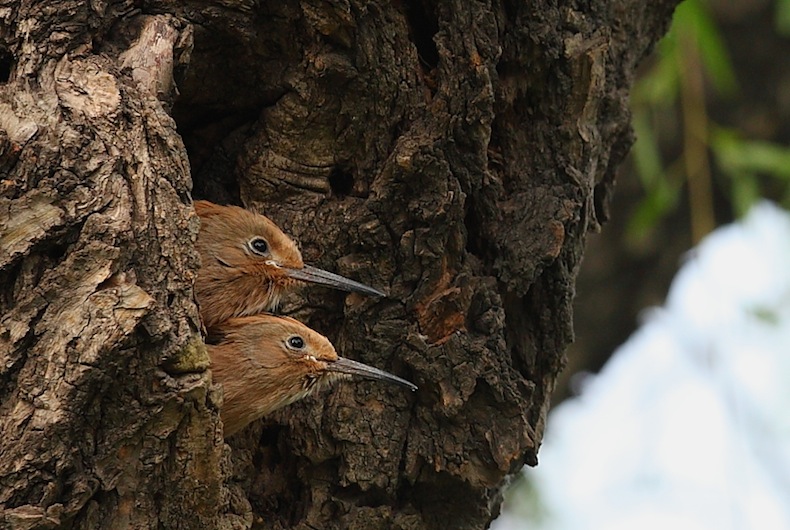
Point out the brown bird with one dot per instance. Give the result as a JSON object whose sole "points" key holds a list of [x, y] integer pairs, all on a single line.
{"points": [[248, 263], [266, 362]]}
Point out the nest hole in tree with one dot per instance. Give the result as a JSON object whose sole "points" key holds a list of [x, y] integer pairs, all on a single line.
{"points": [[6, 64], [423, 26], [341, 181]]}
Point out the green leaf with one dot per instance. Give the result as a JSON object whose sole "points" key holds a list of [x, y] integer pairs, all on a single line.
{"points": [[745, 192], [658, 201], [782, 21], [735, 154], [695, 26], [645, 152], [660, 85]]}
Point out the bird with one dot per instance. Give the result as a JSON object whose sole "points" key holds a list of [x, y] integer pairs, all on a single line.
{"points": [[248, 263], [265, 362]]}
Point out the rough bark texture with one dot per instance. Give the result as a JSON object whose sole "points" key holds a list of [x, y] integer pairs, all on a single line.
{"points": [[106, 418], [452, 153]]}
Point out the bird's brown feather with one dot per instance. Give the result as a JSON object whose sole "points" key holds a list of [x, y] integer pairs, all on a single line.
{"points": [[259, 373], [233, 280]]}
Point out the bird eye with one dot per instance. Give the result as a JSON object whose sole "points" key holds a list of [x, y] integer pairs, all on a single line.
{"points": [[259, 245], [295, 343]]}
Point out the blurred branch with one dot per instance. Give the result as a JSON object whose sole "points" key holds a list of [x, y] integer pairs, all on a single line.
{"points": [[695, 136]]}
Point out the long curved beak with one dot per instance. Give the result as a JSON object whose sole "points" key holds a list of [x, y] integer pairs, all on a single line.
{"points": [[322, 277], [347, 366]]}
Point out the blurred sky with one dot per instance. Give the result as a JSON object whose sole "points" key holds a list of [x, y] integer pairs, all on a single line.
{"points": [[688, 425]]}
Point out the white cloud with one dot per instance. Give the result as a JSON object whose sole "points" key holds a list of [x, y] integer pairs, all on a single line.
{"points": [[688, 425]]}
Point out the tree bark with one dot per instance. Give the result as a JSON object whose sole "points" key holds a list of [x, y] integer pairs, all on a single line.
{"points": [[453, 154]]}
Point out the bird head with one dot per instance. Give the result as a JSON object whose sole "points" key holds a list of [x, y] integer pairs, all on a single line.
{"points": [[266, 362], [248, 263]]}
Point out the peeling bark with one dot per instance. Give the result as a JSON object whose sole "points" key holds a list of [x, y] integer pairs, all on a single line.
{"points": [[453, 154], [107, 417]]}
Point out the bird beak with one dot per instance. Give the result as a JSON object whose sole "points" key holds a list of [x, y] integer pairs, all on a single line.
{"points": [[347, 366], [322, 277]]}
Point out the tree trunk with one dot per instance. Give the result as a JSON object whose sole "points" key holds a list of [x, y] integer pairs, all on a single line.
{"points": [[453, 154]]}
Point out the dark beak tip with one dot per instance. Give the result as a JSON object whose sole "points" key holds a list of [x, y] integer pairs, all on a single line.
{"points": [[355, 287], [375, 293], [311, 274]]}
